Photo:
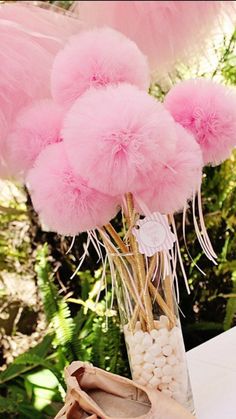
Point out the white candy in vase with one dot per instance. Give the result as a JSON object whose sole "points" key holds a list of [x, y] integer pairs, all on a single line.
{"points": [[160, 361], [167, 350], [157, 358], [147, 340]]}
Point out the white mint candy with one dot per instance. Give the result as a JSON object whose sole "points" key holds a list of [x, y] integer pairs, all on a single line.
{"points": [[147, 341], [146, 376], [138, 349], [158, 372], [166, 379], [163, 340], [160, 361], [173, 341], [154, 333], [155, 349], [167, 370], [137, 359], [149, 358], [172, 360], [148, 367], [154, 381], [164, 332], [177, 369], [138, 336], [167, 350]]}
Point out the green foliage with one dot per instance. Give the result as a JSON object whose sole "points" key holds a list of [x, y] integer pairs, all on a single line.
{"points": [[33, 358], [93, 335], [20, 394], [56, 310]]}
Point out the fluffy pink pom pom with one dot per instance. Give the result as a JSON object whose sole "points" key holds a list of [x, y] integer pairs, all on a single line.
{"points": [[114, 136], [20, 57], [176, 181], [208, 111], [64, 201], [36, 127], [96, 58]]}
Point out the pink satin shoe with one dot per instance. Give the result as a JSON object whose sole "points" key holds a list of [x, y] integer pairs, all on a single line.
{"points": [[97, 394]]}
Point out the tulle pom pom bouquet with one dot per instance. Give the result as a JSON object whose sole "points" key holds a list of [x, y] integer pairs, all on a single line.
{"points": [[102, 144]]}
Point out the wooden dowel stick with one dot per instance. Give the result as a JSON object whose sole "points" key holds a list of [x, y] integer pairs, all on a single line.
{"points": [[168, 293], [140, 266], [110, 229]]}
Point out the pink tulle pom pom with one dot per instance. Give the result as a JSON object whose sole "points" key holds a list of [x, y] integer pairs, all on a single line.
{"points": [[208, 111], [64, 202], [96, 58], [35, 127], [114, 136], [20, 58], [176, 181]]}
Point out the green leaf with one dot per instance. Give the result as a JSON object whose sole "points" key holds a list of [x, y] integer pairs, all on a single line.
{"points": [[32, 358]]}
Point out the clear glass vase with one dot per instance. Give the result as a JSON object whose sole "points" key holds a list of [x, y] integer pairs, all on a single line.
{"points": [[151, 325], [141, 268]]}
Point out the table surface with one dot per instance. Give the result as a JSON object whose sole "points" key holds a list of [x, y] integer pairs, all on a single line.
{"points": [[212, 369]]}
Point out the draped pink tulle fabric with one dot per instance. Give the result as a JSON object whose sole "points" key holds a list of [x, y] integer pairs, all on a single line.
{"points": [[63, 200], [26, 56], [165, 31], [50, 26]]}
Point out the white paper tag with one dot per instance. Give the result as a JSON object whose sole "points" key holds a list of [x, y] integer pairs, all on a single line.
{"points": [[153, 234]]}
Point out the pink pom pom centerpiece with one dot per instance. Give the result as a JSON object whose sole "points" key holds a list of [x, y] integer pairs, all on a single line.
{"points": [[96, 58], [63, 200], [116, 136], [176, 181]]}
